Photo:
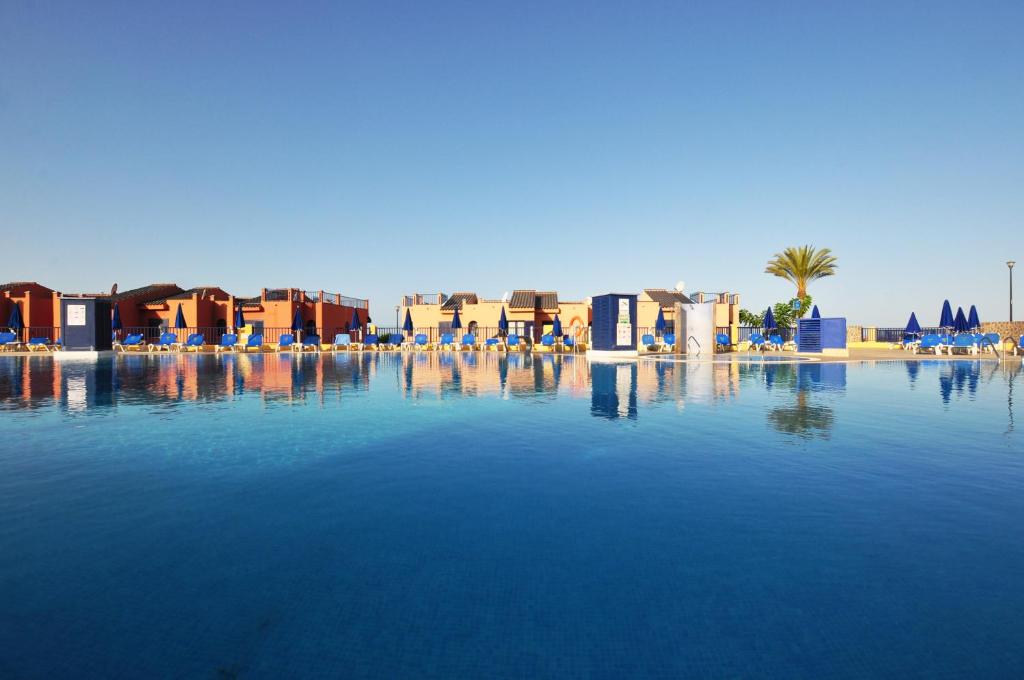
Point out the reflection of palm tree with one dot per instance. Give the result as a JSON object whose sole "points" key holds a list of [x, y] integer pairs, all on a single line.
{"points": [[803, 419]]}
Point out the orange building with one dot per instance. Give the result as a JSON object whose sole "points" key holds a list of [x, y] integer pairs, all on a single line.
{"points": [[651, 300], [530, 313], [35, 302], [325, 314], [210, 310]]}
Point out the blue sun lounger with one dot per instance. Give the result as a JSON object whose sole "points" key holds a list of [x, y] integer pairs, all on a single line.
{"points": [[929, 343], [167, 341], [194, 342], [134, 340], [227, 342], [254, 342], [38, 345], [9, 341], [965, 343]]}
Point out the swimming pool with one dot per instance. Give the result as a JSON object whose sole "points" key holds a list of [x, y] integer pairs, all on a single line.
{"points": [[475, 516]]}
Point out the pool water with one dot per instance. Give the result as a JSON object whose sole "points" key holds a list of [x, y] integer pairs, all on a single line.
{"points": [[440, 516]]}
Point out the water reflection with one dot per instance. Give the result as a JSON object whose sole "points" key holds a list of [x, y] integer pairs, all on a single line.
{"points": [[806, 415], [801, 395]]}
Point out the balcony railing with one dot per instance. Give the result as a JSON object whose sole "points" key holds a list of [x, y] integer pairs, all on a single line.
{"points": [[424, 299]]}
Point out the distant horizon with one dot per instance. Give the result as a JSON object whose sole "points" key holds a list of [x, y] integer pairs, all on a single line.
{"points": [[387, 149]]}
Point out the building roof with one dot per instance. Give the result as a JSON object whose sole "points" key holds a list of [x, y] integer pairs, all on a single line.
{"points": [[531, 299], [202, 291], [254, 301], [154, 291], [458, 299], [667, 298], [4, 287]]}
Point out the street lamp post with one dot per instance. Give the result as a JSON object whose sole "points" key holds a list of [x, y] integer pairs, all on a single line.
{"points": [[1010, 264]]}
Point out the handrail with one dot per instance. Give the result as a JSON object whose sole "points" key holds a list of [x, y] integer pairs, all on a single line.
{"points": [[695, 341]]}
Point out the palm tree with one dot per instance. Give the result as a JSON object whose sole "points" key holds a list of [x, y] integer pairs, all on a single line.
{"points": [[801, 265]]}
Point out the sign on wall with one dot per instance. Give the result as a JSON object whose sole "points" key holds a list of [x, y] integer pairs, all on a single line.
{"points": [[623, 329], [76, 315]]}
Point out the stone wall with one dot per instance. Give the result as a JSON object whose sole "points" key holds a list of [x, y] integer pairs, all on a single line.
{"points": [[853, 334], [1006, 329]]}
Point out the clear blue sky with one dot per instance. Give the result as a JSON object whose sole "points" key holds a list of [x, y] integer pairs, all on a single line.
{"points": [[379, 148]]}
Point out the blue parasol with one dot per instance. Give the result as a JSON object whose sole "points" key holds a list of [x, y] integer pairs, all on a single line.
{"points": [[946, 317], [297, 324], [354, 324], [659, 324], [239, 318], [913, 327], [815, 314], [769, 320], [407, 326], [115, 322], [15, 322], [456, 321], [503, 321], [960, 321], [556, 327], [973, 322], [179, 318]]}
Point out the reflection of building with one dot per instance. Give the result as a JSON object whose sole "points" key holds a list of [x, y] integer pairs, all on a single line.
{"points": [[613, 390], [807, 417], [490, 373]]}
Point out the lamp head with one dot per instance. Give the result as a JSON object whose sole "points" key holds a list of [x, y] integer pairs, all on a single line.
{"points": [[1010, 263]]}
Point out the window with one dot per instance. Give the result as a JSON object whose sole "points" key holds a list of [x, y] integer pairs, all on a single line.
{"points": [[517, 328]]}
